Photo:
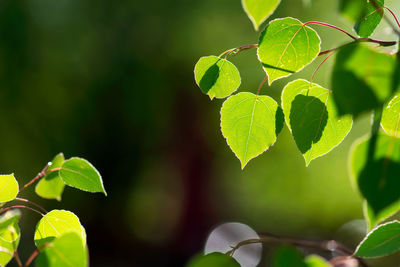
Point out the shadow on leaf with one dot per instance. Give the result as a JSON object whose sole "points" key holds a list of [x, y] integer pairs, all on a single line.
{"points": [[308, 118], [210, 78]]}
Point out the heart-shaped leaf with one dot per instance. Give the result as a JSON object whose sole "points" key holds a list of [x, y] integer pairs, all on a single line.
{"points": [[250, 124], [259, 10], [381, 241], [79, 173], [286, 46], [216, 77], [312, 119], [8, 187], [51, 186]]}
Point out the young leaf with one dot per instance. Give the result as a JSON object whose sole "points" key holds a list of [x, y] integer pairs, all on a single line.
{"points": [[51, 186], [79, 173], [316, 261], [56, 223], [216, 77], [381, 241], [312, 119], [361, 72], [259, 10], [250, 124], [377, 176], [287, 46], [215, 259], [9, 240], [8, 187], [391, 117], [65, 251]]}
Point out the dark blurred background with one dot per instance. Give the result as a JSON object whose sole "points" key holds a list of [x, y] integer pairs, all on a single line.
{"points": [[112, 81]]}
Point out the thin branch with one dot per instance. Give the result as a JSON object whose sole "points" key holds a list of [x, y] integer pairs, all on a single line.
{"points": [[394, 16], [32, 203], [236, 50], [319, 66], [37, 177], [261, 84], [377, 7], [31, 257], [331, 26], [20, 206], [17, 258]]}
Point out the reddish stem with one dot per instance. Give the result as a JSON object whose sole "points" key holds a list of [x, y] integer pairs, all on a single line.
{"points": [[20, 206], [262, 83], [394, 16], [31, 202], [319, 66], [32, 257], [330, 26], [37, 177]]}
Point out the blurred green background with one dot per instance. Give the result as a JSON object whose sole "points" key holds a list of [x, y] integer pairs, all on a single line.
{"points": [[112, 81]]}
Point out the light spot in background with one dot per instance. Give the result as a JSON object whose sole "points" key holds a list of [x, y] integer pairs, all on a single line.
{"points": [[227, 235]]}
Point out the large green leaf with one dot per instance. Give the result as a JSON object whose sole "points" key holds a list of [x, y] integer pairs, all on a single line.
{"points": [[65, 251], [391, 117], [51, 186], [362, 79], [215, 259], [381, 241], [8, 187], [216, 77], [286, 46], [79, 173], [55, 223], [9, 238], [259, 10], [365, 14], [376, 175], [250, 124], [312, 118]]}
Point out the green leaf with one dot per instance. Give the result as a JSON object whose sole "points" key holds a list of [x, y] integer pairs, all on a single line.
{"points": [[216, 77], [9, 239], [51, 186], [259, 10], [316, 261], [287, 46], [215, 259], [391, 117], [8, 187], [381, 241], [312, 119], [250, 124], [79, 173], [370, 17], [377, 176], [65, 251], [288, 256], [56, 223], [361, 72], [9, 218]]}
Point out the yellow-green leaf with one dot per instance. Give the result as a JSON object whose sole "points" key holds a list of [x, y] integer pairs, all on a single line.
{"points": [[8, 187]]}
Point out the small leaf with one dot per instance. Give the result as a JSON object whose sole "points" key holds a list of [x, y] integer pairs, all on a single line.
{"points": [[9, 218], [391, 117], [259, 10], [215, 259], [250, 124], [51, 186], [286, 46], [79, 173], [381, 241], [56, 223], [316, 261], [216, 77], [370, 17], [8, 187], [65, 251], [9, 240], [377, 177], [361, 72], [312, 119]]}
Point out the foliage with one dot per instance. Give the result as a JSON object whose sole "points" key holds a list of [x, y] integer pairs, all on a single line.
{"points": [[365, 79], [59, 236]]}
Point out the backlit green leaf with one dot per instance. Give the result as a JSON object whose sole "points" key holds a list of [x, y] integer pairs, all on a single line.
{"points": [[9, 218], [9, 240], [51, 186], [250, 124], [316, 261], [79, 173], [377, 176], [8, 187], [216, 77], [65, 251], [259, 10], [286, 46], [56, 223], [362, 73], [391, 117], [381, 241], [215, 259], [312, 119]]}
